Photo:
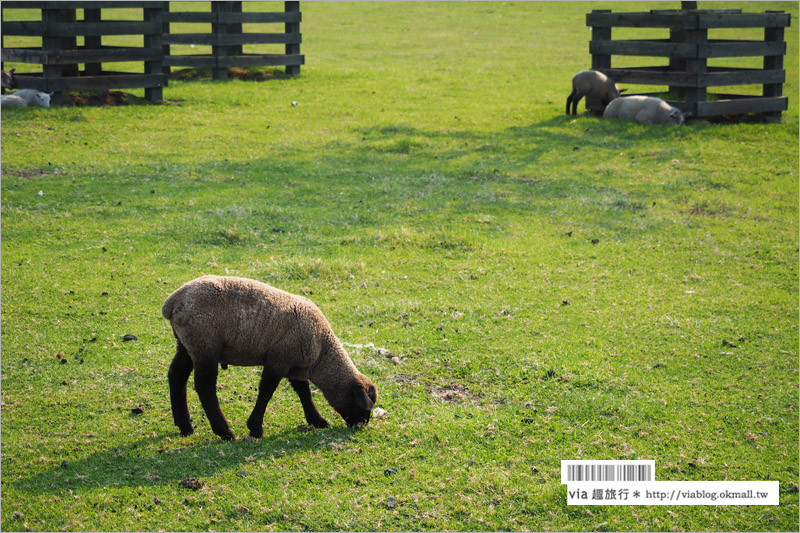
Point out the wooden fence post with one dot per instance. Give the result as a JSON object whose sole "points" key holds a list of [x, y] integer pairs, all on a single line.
{"points": [[51, 46], [67, 17], [290, 28], [218, 50], [2, 36], [235, 28], [772, 35], [154, 42], [165, 68], [93, 41], [696, 67], [677, 64], [601, 33]]}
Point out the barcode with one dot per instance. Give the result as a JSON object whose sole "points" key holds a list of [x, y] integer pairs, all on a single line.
{"points": [[588, 471], [609, 473]]}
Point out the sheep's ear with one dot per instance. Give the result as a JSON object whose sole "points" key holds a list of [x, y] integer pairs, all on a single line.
{"points": [[362, 401], [12, 71], [623, 90]]}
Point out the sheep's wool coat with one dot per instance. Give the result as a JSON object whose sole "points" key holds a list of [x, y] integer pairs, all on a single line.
{"points": [[643, 109], [243, 322], [594, 84], [33, 97], [9, 100]]}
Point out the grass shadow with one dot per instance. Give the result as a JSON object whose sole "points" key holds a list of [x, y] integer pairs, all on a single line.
{"points": [[560, 135], [163, 460]]}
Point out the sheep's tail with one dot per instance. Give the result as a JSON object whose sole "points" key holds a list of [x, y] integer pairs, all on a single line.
{"points": [[169, 304], [183, 292]]}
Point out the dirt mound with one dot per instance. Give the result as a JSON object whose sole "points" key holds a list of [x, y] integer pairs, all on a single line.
{"points": [[102, 99], [251, 74], [745, 118]]}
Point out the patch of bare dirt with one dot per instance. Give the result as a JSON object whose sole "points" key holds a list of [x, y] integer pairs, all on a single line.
{"points": [[404, 379], [453, 393], [190, 483], [205, 74], [103, 99], [745, 118], [27, 175]]}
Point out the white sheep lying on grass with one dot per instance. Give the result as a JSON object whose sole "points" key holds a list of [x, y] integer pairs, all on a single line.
{"points": [[593, 84], [644, 109], [221, 321], [33, 97], [11, 100]]}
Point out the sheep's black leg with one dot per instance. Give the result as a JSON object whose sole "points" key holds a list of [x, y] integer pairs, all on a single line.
{"points": [[178, 376], [205, 382], [265, 389], [575, 99], [312, 415]]}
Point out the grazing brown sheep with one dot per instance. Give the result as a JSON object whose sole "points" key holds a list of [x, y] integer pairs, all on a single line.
{"points": [[242, 322], [594, 84]]}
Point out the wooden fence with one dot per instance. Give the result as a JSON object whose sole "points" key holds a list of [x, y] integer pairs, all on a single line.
{"points": [[227, 38], [689, 48], [60, 56]]}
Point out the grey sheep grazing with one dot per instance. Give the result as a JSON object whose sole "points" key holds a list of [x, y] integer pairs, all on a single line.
{"points": [[33, 97], [8, 81], [593, 84], [10, 100], [644, 109], [221, 321]]}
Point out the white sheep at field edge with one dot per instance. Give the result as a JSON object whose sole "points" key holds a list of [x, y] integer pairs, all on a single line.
{"points": [[33, 97], [645, 110], [10, 100]]}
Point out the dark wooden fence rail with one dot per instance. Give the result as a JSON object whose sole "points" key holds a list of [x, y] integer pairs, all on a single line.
{"points": [[689, 49], [60, 56], [227, 38]]}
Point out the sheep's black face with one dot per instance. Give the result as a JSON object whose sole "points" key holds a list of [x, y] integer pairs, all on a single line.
{"points": [[361, 401]]}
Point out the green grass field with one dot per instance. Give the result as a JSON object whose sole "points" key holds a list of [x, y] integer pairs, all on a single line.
{"points": [[554, 287]]}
